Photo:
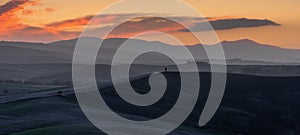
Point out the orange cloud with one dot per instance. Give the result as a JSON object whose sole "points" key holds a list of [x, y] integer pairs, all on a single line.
{"points": [[82, 21], [144, 24], [11, 27], [72, 27], [141, 25], [8, 13], [28, 12], [31, 34], [12, 6], [49, 9], [71, 22]]}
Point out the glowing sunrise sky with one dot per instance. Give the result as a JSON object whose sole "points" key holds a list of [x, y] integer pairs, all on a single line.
{"points": [[275, 22]]}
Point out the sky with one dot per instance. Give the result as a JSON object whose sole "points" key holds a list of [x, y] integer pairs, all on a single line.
{"points": [[274, 22]]}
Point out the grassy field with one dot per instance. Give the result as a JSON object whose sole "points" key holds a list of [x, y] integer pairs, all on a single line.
{"points": [[252, 105], [62, 116]]}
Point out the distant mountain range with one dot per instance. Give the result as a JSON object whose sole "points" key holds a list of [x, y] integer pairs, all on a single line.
{"points": [[51, 62], [240, 52]]}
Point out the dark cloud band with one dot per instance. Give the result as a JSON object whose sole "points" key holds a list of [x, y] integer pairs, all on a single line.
{"points": [[226, 24], [11, 5]]}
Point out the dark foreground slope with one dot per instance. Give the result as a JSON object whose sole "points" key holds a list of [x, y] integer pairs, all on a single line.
{"points": [[253, 105]]}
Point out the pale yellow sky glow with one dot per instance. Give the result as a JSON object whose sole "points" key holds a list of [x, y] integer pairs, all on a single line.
{"points": [[44, 12]]}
